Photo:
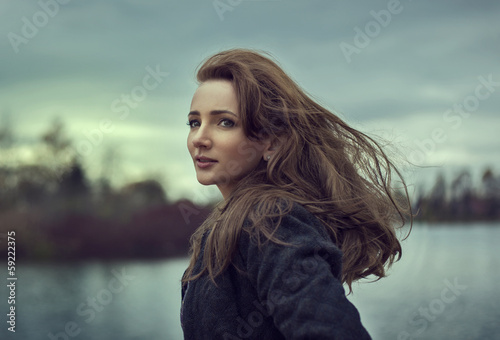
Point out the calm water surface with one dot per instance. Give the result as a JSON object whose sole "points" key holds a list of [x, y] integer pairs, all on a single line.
{"points": [[445, 287]]}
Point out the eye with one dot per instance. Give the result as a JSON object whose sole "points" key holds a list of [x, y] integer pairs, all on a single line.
{"points": [[226, 122], [193, 123]]}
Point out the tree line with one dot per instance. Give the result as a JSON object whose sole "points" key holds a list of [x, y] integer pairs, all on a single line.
{"points": [[58, 213], [459, 199]]}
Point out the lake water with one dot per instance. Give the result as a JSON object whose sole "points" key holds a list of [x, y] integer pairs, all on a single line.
{"points": [[444, 287]]}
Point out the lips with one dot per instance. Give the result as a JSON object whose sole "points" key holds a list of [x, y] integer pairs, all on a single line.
{"points": [[203, 162], [204, 159]]}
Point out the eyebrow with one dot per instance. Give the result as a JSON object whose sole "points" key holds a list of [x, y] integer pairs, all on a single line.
{"points": [[212, 113]]}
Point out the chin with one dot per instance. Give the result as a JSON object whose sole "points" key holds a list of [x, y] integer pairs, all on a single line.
{"points": [[205, 181]]}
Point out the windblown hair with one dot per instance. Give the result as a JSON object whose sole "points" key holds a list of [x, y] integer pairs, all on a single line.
{"points": [[337, 173]]}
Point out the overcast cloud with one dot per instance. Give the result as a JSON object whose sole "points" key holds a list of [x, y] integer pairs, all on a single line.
{"points": [[74, 60]]}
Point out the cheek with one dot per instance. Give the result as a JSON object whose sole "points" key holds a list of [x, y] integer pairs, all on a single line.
{"points": [[249, 155]]}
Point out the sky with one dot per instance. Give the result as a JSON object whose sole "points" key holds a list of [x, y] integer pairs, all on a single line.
{"points": [[120, 74]]}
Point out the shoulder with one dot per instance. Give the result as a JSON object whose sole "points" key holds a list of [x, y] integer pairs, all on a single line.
{"points": [[289, 221], [299, 218], [298, 234]]}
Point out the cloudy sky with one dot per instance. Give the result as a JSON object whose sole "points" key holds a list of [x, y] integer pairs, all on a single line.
{"points": [[120, 75]]}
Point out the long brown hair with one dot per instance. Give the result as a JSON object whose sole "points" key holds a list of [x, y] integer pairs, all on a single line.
{"points": [[339, 174]]}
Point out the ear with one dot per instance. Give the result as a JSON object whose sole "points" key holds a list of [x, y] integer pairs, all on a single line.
{"points": [[270, 147]]}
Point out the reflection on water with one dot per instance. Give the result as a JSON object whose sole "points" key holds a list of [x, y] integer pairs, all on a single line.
{"points": [[99, 301], [444, 287]]}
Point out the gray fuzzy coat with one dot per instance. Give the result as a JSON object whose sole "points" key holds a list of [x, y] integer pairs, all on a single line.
{"points": [[286, 292]]}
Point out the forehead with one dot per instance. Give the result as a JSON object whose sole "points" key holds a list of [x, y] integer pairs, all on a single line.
{"points": [[215, 94]]}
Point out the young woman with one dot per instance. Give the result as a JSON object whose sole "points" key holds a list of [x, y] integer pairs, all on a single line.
{"points": [[308, 206]]}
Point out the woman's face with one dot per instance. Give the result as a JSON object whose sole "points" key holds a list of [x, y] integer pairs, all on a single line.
{"points": [[221, 152]]}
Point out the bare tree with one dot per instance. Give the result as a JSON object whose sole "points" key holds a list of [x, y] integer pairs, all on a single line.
{"points": [[56, 152], [491, 194], [6, 130]]}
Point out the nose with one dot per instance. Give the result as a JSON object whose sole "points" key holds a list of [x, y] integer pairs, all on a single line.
{"points": [[201, 138]]}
